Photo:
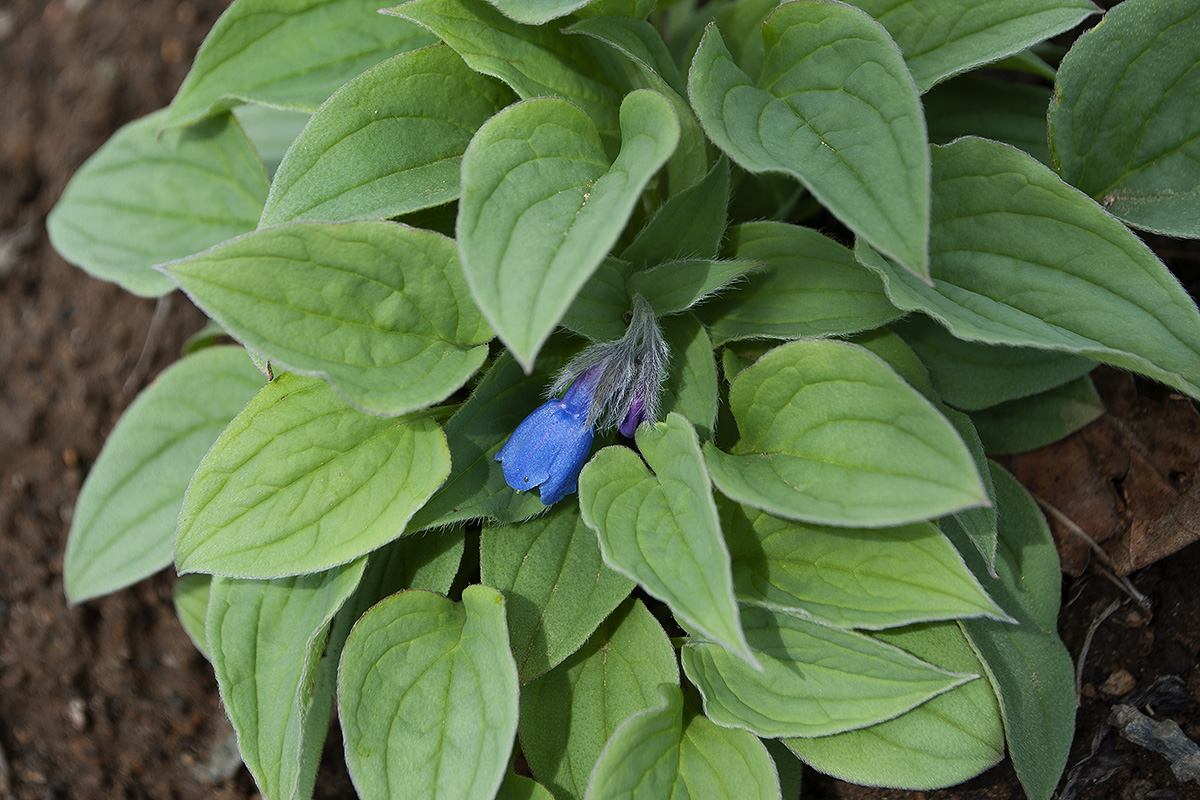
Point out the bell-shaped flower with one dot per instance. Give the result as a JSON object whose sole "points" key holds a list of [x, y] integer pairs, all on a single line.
{"points": [[610, 384], [549, 447]]}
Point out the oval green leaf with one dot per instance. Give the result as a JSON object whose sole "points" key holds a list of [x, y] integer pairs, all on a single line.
{"points": [[300, 482], [847, 577], [266, 638], [287, 53], [815, 680], [541, 207], [380, 309], [835, 108], [944, 741], [940, 38], [1038, 420], [427, 697], [808, 285], [556, 586], [830, 434], [143, 200], [1123, 125], [414, 114], [123, 528], [191, 605], [660, 528], [671, 752], [1021, 258], [570, 712]]}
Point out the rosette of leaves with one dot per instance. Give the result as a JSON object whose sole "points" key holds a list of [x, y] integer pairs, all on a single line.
{"points": [[874, 266]]}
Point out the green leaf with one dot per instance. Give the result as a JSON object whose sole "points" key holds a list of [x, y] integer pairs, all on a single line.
{"points": [[300, 482], [640, 43], [1029, 668], [518, 787], [534, 61], [940, 38], [847, 577], [191, 605], [834, 108], [142, 200], [597, 312], [690, 223], [477, 488], [660, 528], [1022, 259], [832, 435], [570, 712], [1123, 124], [536, 12], [123, 528], [942, 742], [387, 143], [556, 587], [971, 375], [266, 638], [1013, 113], [271, 131], [808, 285], [671, 752], [978, 523], [288, 54], [814, 681], [691, 386], [541, 207], [379, 309], [427, 697], [678, 285], [1038, 420]]}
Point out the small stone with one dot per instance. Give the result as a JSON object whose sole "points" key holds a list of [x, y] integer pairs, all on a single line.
{"points": [[77, 713], [1120, 682]]}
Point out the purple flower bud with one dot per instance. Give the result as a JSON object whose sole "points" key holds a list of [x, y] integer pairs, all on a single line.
{"points": [[637, 413]]}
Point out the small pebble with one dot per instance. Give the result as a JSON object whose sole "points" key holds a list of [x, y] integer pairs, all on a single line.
{"points": [[1120, 682], [77, 713]]}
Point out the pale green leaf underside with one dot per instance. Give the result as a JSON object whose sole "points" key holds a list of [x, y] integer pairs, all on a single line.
{"points": [[808, 285], [569, 713], [142, 200], [815, 680], [940, 38], [123, 528], [556, 586], [541, 207], [667, 753], [300, 482], [536, 12], [942, 742], [191, 606], [287, 53], [1020, 258], [661, 529], [830, 434], [266, 638], [388, 143], [834, 108], [271, 131], [850, 578], [380, 309], [427, 697], [1123, 123]]}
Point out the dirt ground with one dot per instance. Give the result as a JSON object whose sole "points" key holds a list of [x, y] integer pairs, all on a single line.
{"points": [[109, 699]]}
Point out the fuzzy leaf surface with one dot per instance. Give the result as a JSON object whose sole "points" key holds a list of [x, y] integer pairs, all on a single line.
{"points": [[379, 309], [124, 521], [542, 206], [300, 482], [143, 200], [834, 108], [427, 697]]}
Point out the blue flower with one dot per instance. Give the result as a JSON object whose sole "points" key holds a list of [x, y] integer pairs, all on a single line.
{"points": [[610, 384], [549, 447]]}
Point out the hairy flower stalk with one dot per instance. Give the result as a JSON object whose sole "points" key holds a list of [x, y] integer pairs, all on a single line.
{"points": [[610, 384]]}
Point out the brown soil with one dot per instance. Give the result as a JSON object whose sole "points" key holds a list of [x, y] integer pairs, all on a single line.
{"points": [[109, 699]]}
